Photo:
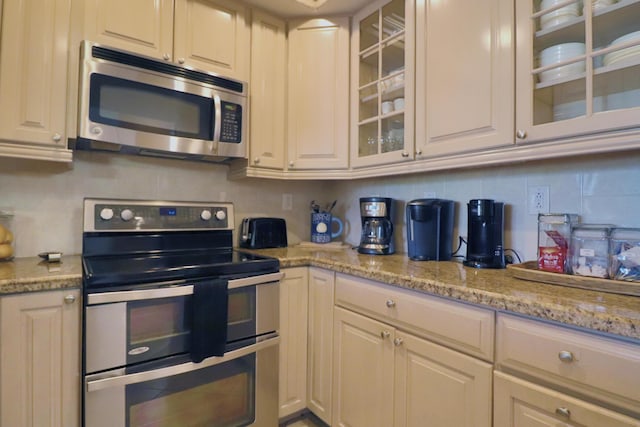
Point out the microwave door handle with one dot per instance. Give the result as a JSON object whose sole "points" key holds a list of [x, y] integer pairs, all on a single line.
{"points": [[217, 113], [124, 296], [103, 383]]}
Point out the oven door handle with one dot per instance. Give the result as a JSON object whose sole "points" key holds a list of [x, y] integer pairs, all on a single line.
{"points": [[122, 380], [123, 296], [255, 280]]}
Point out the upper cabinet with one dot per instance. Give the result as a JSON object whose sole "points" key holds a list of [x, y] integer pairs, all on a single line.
{"points": [[211, 35], [33, 79], [464, 76], [382, 76], [318, 94], [577, 69]]}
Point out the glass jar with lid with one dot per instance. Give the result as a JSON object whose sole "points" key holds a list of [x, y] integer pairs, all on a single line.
{"points": [[589, 250], [7, 239], [624, 252], [554, 234]]}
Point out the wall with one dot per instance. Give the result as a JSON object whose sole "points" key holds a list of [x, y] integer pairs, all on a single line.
{"points": [[47, 197]]}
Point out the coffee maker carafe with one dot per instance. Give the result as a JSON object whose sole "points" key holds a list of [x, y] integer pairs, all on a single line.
{"points": [[430, 229], [485, 240], [377, 227]]}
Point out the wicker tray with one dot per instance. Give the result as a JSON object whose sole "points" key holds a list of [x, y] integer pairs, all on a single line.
{"points": [[529, 271]]}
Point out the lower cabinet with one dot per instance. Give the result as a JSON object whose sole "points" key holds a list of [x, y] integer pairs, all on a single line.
{"points": [[385, 377], [40, 359], [518, 403]]}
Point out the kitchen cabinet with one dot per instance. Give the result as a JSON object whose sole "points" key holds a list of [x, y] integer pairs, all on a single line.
{"points": [[464, 76], [384, 376], [320, 345], [382, 78], [519, 403], [601, 369], [40, 359], [294, 294], [576, 76], [267, 83], [318, 94], [33, 79], [210, 35]]}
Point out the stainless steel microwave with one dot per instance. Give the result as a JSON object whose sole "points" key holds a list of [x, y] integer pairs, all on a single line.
{"points": [[139, 105]]}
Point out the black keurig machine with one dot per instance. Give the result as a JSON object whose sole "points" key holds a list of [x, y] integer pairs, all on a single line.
{"points": [[430, 229], [485, 237]]}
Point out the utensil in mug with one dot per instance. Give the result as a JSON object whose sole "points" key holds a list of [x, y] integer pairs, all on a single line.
{"points": [[321, 225]]}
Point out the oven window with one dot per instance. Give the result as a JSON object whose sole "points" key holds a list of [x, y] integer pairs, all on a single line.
{"points": [[139, 106], [219, 396], [242, 314]]}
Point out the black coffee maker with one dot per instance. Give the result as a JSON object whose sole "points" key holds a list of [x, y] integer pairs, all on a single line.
{"points": [[485, 237], [430, 229], [377, 226]]}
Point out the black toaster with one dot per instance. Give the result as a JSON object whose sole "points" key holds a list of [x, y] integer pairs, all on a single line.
{"points": [[260, 233]]}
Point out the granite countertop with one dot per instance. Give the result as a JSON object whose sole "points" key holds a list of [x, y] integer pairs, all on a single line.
{"points": [[497, 289]]}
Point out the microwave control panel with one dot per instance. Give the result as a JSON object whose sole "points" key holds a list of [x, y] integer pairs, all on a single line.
{"points": [[231, 115]]}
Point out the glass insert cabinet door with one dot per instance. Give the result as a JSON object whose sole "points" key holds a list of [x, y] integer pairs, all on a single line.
{"points": [[382, 75], [578, 67]]}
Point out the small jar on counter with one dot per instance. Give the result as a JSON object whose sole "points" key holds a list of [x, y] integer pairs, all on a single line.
{"points": [[624, 252], [589, 250], [554, 234], [7, 239]]}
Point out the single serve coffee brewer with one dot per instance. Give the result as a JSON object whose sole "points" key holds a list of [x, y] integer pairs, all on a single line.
{"points": [[485, 237]]}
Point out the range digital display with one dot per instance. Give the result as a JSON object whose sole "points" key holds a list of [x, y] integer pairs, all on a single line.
{"points": [[165, 211]]}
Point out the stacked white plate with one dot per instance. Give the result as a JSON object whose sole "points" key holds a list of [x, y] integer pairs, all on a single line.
{"points": [[560, 53], [599, 4], [626, 54], [558, 16]]}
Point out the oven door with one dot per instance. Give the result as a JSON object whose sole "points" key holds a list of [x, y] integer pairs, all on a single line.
{"points": [[238, 389], [130, 327]]}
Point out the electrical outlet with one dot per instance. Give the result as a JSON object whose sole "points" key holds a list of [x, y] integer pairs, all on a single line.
{"points": [[287, 202], [538, 199]]}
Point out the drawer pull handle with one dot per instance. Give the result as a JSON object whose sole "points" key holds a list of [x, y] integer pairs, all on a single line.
{"points": [[563, 412], [566, 356], [385, 334], [69, 299], [397, 342], [391, 303]]}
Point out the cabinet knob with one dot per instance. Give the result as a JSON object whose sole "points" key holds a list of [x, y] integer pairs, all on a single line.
{"points": [[256, 160], [521, 134], [180, 60], [291, 164], [418, 152], [56, 137], [166, 57], [69, 299], [385, 334], [398, 342], [391, 303], [566, 356], [405, 154], [563, 412]]}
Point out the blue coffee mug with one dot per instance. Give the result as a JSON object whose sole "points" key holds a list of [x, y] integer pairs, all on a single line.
{"points": [[321, 224]]}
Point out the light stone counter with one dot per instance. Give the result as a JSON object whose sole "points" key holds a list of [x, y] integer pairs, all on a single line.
{"points": [[497, 289]]}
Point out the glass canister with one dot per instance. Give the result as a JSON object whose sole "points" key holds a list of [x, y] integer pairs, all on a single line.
{"points": [[7, 239], [589, 250], [624, 254], [554, 234]]}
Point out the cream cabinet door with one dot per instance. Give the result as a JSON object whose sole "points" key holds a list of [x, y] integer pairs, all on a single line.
{"points": [[213, 35], [267, 83], [141, 26], [40, 359], [363, 371], [440, 385], [320, 345], [294, 294], [318, 92], [33, 79], [518, 403], [464, 76]]}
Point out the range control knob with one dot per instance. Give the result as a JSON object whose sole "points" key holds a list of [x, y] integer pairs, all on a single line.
{"points": [[106, 214], [221, 215], [126, 214], [205, 215]]}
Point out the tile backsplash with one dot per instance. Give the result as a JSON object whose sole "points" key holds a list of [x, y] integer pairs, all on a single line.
{"points": [[47, 197]]}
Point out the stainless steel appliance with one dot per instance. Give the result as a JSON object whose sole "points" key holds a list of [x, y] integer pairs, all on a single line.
{"points": [[485, 237], [377, 226], [179, 328], [139, 105], [430, 229]]}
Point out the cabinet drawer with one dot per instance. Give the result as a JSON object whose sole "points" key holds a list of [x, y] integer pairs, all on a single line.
{"points": [[598, 367], [455, 325]]}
